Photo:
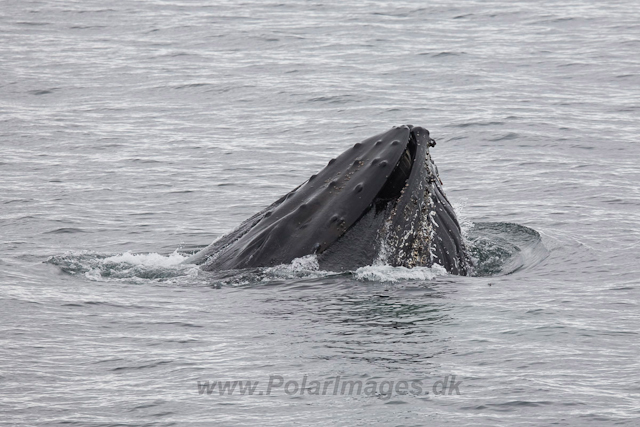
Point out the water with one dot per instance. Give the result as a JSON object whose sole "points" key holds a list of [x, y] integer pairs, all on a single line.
{"points": [[134, 133]]}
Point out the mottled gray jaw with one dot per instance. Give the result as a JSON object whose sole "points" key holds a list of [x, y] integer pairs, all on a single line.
{"points": [[422, 228]]}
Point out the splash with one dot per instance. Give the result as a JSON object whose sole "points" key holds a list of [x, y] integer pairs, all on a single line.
{"points": [[303, 267], [309, 262], [497, 248], [148, 260], [460, 208], [387, 273], [125, 266]]}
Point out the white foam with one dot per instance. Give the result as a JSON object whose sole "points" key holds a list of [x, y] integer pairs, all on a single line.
{"points": [[460, 209], [387, 273], [306, 266], [136, 267], [94, 274], [383, 251], [305, 263], [148, 260]]}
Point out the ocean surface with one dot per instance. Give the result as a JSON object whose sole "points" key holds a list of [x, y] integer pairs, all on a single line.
{"points": [[133, 133]]}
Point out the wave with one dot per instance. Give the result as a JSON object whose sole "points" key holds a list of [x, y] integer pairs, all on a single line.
{"points": [[501, 248], [496, 248]]}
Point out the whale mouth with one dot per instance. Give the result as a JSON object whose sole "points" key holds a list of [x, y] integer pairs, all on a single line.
{"points": [[399, 176], [368, 239]]}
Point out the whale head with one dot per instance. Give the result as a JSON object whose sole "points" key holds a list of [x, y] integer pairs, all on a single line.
{"points": [[381, 201]]}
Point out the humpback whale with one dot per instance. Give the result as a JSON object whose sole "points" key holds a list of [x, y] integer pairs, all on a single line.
{"points": [[381, 201]]}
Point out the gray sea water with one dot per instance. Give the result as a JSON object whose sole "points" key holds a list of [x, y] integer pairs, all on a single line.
{"points": [[133, 133]]}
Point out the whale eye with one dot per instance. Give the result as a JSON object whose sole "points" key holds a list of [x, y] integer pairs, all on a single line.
{"points": [[334, 218], [383, 164], [395, 142], [378, 142], [358, 188], [357, 145]]}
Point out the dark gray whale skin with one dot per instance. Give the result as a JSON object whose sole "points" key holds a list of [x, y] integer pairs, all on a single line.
{"points": [[381, 201]]}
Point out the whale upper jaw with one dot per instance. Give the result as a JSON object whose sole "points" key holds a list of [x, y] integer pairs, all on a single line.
{"points": [[379, 201]]}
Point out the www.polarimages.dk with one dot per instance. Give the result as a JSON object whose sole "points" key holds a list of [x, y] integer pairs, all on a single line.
{"points": [[447, 386]]}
